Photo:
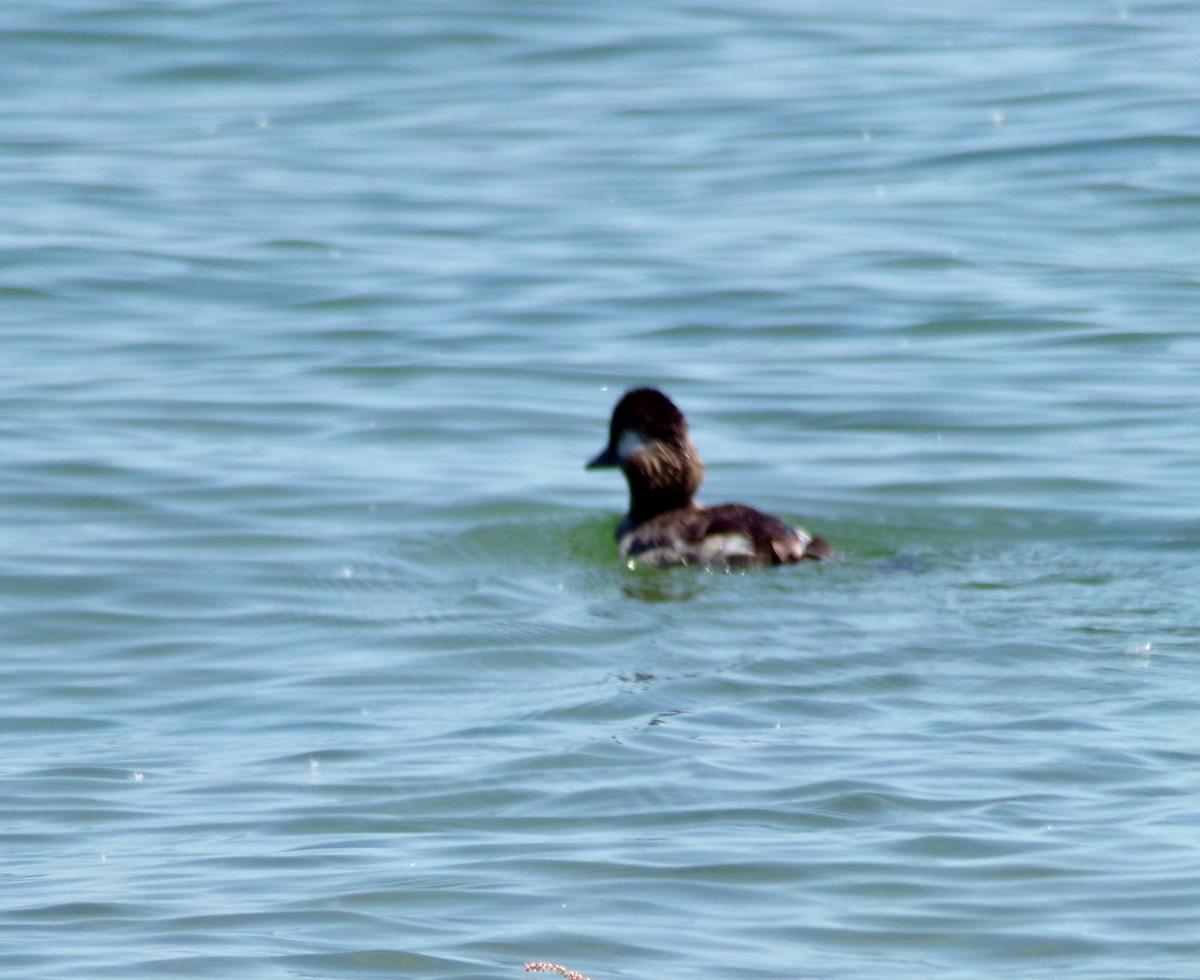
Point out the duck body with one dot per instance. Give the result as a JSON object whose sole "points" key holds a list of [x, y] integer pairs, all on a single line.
{"points": [[649, 441]]}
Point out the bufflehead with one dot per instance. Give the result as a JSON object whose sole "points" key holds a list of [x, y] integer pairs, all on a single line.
{"points": [[648, 439]]}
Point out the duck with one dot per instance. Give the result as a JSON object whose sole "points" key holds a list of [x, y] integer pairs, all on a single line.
{"points": [[649, 441]]}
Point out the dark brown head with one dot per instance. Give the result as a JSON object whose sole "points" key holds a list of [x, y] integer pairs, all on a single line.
{"points": [[648, 439]]}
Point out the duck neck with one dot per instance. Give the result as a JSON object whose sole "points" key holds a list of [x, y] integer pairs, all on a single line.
{"points": [[662, 482], [648, 503]]}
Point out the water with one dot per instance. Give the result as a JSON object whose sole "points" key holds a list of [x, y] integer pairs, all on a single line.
{"points": [[319, 661]]}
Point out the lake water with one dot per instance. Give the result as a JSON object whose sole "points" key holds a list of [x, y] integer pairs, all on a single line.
{"points": [[319, 660]]}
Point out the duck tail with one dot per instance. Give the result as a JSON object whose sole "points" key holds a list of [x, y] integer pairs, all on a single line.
{"points": [[818, 549]]}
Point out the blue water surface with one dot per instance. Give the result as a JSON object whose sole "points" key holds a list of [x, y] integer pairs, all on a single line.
{"points": [[319, 660]]}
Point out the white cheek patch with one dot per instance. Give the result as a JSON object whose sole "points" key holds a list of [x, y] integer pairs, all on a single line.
{"points": [[630, 443]]}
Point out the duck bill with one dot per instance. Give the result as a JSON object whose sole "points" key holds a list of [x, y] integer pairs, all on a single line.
{"points": [[607, 457]]}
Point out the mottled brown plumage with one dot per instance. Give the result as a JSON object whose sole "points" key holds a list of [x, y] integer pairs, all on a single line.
{"points": [[648, 439]]}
